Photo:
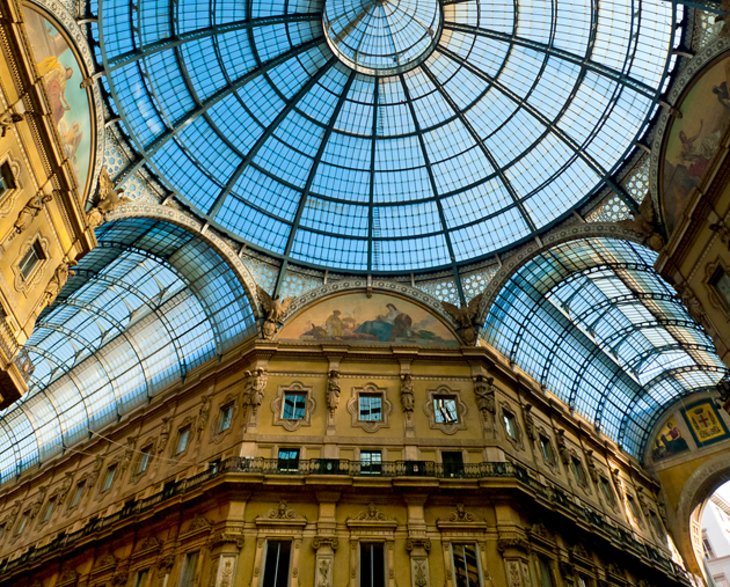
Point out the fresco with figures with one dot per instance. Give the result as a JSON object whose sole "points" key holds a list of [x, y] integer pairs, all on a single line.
{"points": [[669, 440], [69, 103], [693, 140], [357, 318]]}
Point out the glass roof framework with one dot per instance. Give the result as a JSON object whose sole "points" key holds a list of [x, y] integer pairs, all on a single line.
{"points": [[593, 323], [151, 302], [269, 125]]}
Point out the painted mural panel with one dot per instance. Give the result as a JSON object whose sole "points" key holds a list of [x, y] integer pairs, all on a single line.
{"points": [[69, 102], [704, 422], [694, 139], [357, 318], [669, 441]]}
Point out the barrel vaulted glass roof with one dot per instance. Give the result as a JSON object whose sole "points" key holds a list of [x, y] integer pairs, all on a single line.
{"points": [[593, 322], [384, 135], [151, 302]]}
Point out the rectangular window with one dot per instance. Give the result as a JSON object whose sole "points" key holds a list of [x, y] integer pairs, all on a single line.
{"points": [[140, 579], [546, 448], [288, 459], [510, 424], [77, 494], [111, 472], [190, 563], [31, 259], [453, 463], [372, 564], [371, 462], [276, 567], [546, 575], [225, 417], [578, 471], [294, 406], [634, 508], [721, 282], [183, 438], [466, 565], [445, 409], [23, 523], [7, 181], [583, 581], [143, 462], [370, 407], [48, 510], [607, 491], [655, 523]]}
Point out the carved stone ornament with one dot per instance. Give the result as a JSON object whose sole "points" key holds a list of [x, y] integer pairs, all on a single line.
{"points": [[229, 536], [164, 434], [320, 541], [105, 560], [407, 397], [529, 422], [7, 120], [120, 578], [58, 280], [274, 311], [165, 563], [646, 223], [282, 512], [484, 392], [199, 524], [466, 318], [148, 544], [562, 446], [592, 468], [255, 384], [371, 513], [203, 414], [30, 211], [324, 572], [420, 572], [539, 530], [461, 515], [613, 570], [513, 543], [68, 577], [333, 390], [414, 543], [109, 199], [616, 476], [579, 551]]}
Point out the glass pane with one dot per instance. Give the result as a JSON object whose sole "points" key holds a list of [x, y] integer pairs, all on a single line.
{"points": [[276, 569], [466, 566], [370, 407], [225, 417], [288, 459], [372, 564], [370, 462], [295, 405], [444, 410]]}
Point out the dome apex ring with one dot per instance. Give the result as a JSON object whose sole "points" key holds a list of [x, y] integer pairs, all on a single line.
{"points": [[382, 37]]}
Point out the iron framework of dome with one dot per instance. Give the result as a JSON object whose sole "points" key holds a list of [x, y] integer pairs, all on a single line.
{"points": [[380, 136]]}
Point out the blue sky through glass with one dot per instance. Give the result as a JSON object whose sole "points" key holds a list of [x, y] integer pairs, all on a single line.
{"points": [[504, 118]]}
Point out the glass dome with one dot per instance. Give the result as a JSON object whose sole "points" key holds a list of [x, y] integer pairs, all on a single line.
{"points": [[385, 135]]}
